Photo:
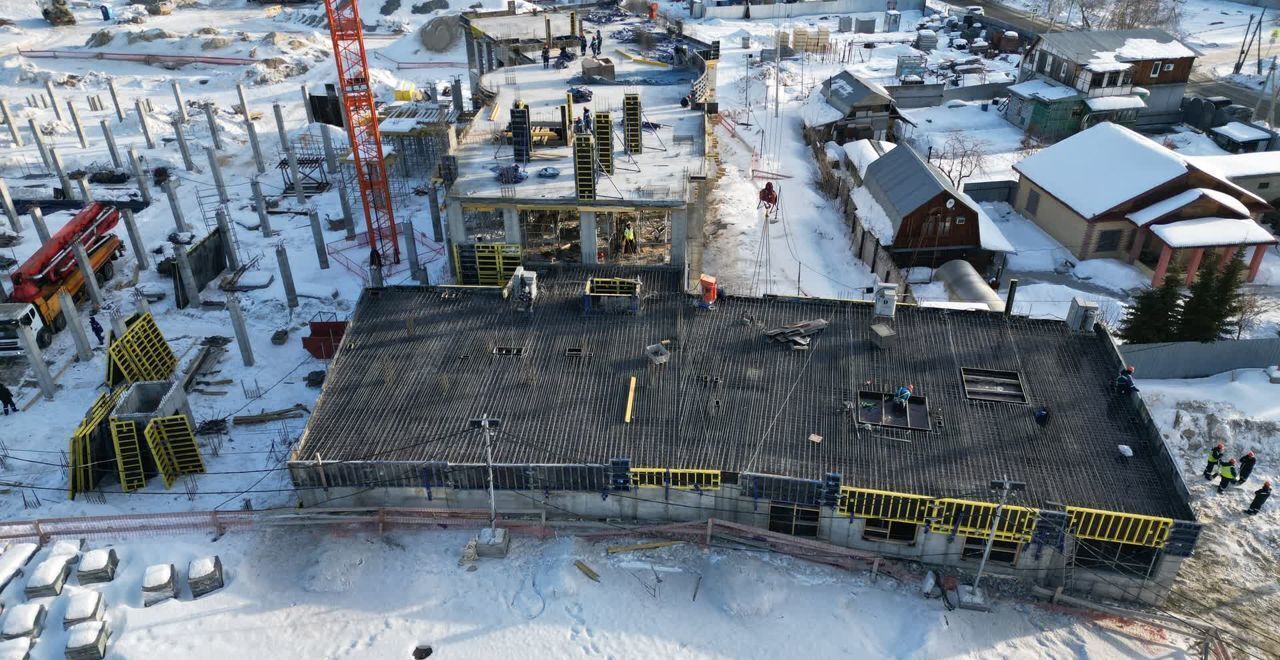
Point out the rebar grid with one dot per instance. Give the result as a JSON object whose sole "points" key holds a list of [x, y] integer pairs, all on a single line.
{"points": [[729, 399]]}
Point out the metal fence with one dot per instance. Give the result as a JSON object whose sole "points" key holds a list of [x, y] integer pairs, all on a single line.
{"points": [[1188, 359]]}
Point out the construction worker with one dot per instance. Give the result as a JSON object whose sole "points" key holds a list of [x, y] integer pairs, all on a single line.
{"points": [[96, 328], [1211, 467], [1246, 465], [1228, 474], [768, 196], [546, 57], [1124, 382], [1259, 498], [1042, 416], [904, 395], [628, 239], [586, 118], [6, 399]]}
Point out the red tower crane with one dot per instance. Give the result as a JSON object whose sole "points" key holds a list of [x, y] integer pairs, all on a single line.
{"points": [[362, 130]]}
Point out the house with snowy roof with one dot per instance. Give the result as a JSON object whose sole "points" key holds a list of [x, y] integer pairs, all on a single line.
{"points": [[1070, 81], [909, 214], [866, 108], [1109, 192]]}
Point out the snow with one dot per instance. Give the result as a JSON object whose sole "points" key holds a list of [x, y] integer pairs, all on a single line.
{"points": [[48, 571], [1239, 165], [862, 153], [69, 550], [83, 605], [21, 619], [157, 575], [1034, 249], [14, 558], [872, 215], [1146, 216], [990, 237], [1205, 232], [833, 152], [1094, 170], [1045, 300], [201, 567], [1043, 89], [1241, 132], [84, 634], [1111, 273], [1150, 49], [1110, 103], [95, 560], [15, 649]]}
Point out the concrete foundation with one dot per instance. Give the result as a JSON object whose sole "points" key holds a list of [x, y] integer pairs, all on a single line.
{"points": [[148, 399]]}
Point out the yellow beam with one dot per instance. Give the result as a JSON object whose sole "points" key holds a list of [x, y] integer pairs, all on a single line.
{"points": [[631, 400], [651, 545], [642, 60]]}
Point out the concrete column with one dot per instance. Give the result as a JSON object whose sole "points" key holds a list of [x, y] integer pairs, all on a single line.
{"points": [[182, 105], [179, 221], [75, 121], [256, 146], [242, 333], [457, 226], [37, 220], [115, 98], [306, 104], [39, 140], [188, 276], [411, 253], [142, 123], [117, 324], [8, 121], [317, 234], [330, 155], [679, 236], [375, 277], [244, 102], [280, 129], [511, 225], [6, 200], [587, 236], [211, 117], [1259, 251], [36, 359], [286, 276], [228, 241], [84, 350], [135, 239], [140, 302], [433, 205], [111, 144], [61, 172], [82, 182], [53, 100], [291, 293], [182, 146], [260, 205], [348, 218], [86, 270], [212, 155], [140, 176], [296, 174]]}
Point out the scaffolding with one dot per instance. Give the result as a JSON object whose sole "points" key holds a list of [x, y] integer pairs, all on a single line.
{"points": [[418, 136], [313, 175]]}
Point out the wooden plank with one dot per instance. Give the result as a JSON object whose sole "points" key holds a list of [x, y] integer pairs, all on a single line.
{"points": [[633, 547], [586, 570]]}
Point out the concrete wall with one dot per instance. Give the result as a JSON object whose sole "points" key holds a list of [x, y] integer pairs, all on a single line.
{"points": [[1187, 359], [983, 92], [1056, 219], [806, 8], [992, 191], [916, 96]]}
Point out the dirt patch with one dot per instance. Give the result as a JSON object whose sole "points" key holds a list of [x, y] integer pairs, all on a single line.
{"points": [[390, 7], [99, 39], [440, 33], [206, 31], [154, 34], [430, 6], [215, 43]]}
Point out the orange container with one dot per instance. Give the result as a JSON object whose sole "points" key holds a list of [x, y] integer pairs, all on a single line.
{"points": [[708, 284]]}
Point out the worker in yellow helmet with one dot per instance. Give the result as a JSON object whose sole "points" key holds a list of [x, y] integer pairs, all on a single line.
{"points": [[628, 239]]}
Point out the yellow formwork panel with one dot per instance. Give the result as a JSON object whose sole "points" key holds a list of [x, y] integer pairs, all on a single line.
{"points": [[141, 353], [180, 439], [613, 286], [1131, 528], [868, 503], [163, 455], [680, 479], [124, 435], [81, 460], [976, 519]]}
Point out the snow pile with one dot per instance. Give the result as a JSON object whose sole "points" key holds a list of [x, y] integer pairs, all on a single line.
{"points": [[1202, 232], [25, 620], [14, 558], [1111, 273], [744, 589], [157, 576], [47, 579], [15, 649], [96, 560], [84, 606], [872, 215]]}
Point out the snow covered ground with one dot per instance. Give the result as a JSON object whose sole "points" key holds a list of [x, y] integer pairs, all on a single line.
{"points": [[296, 593]]}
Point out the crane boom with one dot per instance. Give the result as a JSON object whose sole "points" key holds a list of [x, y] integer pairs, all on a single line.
{"points": [[362, 129]]}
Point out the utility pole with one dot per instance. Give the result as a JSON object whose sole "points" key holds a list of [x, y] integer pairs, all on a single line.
{"points": [[496, 542], [974, 599], [1244, 47]]}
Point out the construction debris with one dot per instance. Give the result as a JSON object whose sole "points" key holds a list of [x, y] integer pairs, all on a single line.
{"points": [[633, 547], [797, 334], [204, 575], [298, 410], [314, 378], [212, 427], [587, 571]]}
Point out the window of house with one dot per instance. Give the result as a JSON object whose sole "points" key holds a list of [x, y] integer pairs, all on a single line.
{"points": [[1002, 552], [1264, 185], [1109, 240], [894, 531], [959, 219], [1126, 77], [1033, 202], [1062, 71], [1130, 560], [1044, 61], [1155, 69]]}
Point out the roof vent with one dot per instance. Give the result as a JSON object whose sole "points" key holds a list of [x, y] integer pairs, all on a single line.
{"points": [[886, 300]]}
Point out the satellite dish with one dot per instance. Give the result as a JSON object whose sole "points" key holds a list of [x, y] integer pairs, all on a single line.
{"points": [[951, 203]]}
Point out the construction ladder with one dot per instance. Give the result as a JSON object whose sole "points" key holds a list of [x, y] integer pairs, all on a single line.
{"points": [[124, 435]]}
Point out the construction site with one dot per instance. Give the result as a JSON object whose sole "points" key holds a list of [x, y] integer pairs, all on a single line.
{"points": [[472, 292]]}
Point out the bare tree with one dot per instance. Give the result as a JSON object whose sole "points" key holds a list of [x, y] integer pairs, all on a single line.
{"points": [[960, 157], [1253, 308], [1129, 14]]}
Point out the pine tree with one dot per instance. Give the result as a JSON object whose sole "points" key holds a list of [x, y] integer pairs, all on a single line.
{"points": [[1201, 313], [1229, 296], [1155, 312]]}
